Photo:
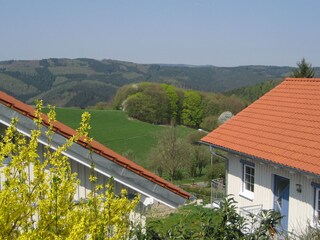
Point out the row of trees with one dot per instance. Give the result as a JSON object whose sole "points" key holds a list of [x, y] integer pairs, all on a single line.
{"points": [[176, 158], [165, 104]]}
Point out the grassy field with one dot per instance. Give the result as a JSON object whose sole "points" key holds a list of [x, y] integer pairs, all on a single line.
{"points": [[112, 128]]}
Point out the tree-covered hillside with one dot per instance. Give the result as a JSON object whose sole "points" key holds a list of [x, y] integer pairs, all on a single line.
{"points": [[84, 82], [166, 104]]}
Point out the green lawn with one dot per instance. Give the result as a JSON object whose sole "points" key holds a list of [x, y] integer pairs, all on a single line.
{"points": [[113, 129], [189, 216]]}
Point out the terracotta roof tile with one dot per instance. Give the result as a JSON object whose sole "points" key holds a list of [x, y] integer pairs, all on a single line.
{"points": [[283, 126], [95, 146]]}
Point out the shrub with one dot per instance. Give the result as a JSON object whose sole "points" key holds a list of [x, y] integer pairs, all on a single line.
{"points": [[38, 203]]}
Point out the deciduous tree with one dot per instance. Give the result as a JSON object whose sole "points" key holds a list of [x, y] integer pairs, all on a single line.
{"points": [[173, 100], [171, 154], [192, 109], [149, 105]]}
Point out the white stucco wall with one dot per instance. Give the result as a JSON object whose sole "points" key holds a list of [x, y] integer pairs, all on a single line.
{"points": [[301, 210]]}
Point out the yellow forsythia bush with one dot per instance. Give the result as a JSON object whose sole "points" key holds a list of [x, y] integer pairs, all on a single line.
{"points": [[40, 204]]}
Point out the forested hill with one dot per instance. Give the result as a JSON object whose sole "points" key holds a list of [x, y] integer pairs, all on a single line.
{"points": [[84, 82]]}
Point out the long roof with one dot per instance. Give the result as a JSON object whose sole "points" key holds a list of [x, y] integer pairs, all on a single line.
{"points": [[95, 146], [282, 127]]}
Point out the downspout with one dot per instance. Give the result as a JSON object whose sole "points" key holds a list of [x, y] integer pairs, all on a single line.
{"points": [[213, 153]]}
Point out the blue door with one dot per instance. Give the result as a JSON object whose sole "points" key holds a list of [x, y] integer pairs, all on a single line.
{"points": [[281, 199]]}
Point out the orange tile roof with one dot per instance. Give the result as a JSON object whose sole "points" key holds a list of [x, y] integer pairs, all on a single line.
{"points": [[283, 126], [95, 146]]}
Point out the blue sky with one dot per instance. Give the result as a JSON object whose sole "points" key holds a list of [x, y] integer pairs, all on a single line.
{"points": [[220, 33]]}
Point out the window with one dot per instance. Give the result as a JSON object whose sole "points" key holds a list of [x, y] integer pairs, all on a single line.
{"points": [[316, 215], [7, 160], [247, 190], [317, 205], [248, 178], [2, 130]]}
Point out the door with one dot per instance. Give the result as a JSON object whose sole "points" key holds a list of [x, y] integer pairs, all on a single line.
{"points": [[281, 199]]}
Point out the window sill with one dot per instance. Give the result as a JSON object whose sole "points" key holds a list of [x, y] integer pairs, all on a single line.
{"points": [[247, 195]]}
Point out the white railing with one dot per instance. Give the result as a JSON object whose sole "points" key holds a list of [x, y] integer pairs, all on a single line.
{"points": [[250, 210], [252, 217], [218, 192]]}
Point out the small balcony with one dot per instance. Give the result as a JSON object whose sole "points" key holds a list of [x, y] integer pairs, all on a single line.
{"points": [[252, 215], [218, 193]]}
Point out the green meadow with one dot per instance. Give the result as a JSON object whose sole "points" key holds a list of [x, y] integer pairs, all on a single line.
{"points": [[129, 137]]}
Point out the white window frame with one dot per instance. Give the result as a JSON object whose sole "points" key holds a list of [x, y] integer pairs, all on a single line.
{"points": [[250, 176], [316, 208], [317, 204], [247, 192]]}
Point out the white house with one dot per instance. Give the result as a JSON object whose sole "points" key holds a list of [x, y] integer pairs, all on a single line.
{"points": [[273, 153], [107, 163]]}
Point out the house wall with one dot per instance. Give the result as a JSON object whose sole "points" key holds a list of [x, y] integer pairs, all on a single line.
{"points": [[301, 208], [85, 185]]}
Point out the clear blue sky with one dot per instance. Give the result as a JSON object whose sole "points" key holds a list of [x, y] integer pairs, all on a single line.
{"points": [[220, 33]]}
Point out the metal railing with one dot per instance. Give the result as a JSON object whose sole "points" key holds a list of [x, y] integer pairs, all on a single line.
{"points": [[250, 210], [251, 214], [254, 216], [218, 192]]}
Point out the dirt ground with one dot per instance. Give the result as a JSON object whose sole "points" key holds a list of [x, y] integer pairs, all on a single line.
{"points": [[159, 210]]}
